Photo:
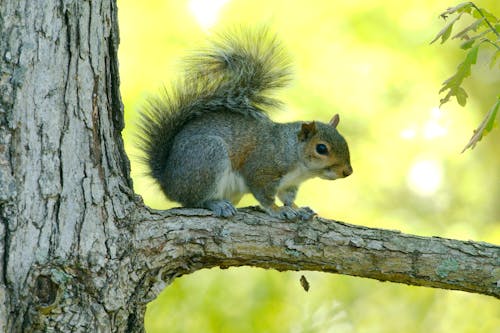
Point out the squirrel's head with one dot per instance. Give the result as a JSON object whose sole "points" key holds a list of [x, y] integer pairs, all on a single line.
{"points": [[326, 154]]}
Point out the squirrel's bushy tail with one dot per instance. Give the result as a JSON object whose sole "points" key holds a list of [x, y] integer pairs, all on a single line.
{"points": [[246, 66], [236, 73]]}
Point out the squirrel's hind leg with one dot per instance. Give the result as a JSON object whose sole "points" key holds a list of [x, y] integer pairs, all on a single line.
{"points": [[196, 165]]}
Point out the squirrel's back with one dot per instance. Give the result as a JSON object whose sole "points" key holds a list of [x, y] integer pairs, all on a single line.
{"points": [[236, 73]]}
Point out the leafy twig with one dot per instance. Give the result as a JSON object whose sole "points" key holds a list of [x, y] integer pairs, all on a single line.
{"points": [[485, 19], [484, 26]]}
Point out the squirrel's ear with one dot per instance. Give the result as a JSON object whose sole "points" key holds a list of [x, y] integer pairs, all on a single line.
{"points": [[334, 121], [307, 131]]}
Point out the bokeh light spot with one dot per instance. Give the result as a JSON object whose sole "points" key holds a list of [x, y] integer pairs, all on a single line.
{"points": [[206, 12], [425, 177]]}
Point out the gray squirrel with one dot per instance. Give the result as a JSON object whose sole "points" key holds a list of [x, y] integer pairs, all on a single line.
{"points": [[208, 141]]}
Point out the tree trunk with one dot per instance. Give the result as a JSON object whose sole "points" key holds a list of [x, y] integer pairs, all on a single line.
{"points": [[64, 176], [80, 253]]}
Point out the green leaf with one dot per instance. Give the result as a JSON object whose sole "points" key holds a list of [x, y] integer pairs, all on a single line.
{"points": [[485, 127], [467, 44], [453, 84], [470, 59], [445, 33], [460, 8], [473, 27], [461, 96], [445, 99], [491, 116], [486, 14]]}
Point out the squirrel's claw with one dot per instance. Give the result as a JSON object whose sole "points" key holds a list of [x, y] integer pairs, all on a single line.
{"points": [[221, 208], [291, 213], [305, 213], [288, 213]]}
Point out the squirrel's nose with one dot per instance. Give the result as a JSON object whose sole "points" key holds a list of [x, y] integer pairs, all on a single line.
{"points": [[347, 171]]}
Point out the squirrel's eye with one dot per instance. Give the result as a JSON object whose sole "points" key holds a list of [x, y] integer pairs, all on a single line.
{"points": [[321, 149]]}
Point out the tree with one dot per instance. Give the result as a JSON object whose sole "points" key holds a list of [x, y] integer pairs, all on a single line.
{"points": [[80, 252]]}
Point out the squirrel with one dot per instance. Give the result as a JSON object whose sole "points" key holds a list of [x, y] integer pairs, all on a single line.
{"points": [[209, 140]]}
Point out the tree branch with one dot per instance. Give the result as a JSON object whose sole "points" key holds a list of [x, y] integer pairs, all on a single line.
{"points": [[181, 241]]}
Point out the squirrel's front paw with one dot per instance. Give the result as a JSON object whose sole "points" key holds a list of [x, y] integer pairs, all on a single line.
{"points": [[287, 213], [305, 213], [290, 212]]}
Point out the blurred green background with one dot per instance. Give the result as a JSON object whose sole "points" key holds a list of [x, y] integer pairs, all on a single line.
{"points": [[371, 62]]}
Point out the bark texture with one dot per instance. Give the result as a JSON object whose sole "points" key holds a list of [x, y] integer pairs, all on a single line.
{"points": [[64, 176], [78, 250], [182, 241]]}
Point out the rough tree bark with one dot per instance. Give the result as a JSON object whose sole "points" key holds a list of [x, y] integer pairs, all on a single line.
{"points": [[80, 252]]}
